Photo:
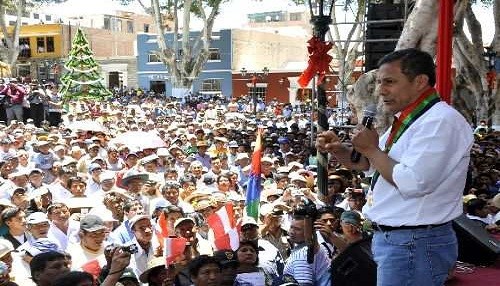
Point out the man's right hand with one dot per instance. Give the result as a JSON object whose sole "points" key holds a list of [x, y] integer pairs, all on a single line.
{"points": [[329, 142], [120, 260]]}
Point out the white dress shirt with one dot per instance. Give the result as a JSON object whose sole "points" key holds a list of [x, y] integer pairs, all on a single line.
{"points": [[433, 157]]}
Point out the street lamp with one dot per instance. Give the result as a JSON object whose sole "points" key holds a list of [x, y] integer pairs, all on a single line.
{"points": [[254, 76], [321, 17]]}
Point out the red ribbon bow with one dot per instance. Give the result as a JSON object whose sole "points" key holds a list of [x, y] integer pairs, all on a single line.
{"points": [[319, 61]]}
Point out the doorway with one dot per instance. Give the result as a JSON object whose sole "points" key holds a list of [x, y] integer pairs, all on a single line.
{"points": [[113, 80], [157, 86]]}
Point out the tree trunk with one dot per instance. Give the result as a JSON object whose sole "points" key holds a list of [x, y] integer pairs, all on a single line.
{"points": [[11, 52], [471, 95], [185, 64]]}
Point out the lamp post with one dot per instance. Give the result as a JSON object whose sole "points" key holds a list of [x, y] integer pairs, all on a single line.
{"points": [[321, 18], [490, 56], [254, 76]]}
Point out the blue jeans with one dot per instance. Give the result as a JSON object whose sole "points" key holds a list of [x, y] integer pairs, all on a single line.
{"points": [[415, 257]]}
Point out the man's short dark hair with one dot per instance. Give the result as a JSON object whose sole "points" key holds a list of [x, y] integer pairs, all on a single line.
{"points": [[475, 205], [413, 62], [129, 205], [9, 213], [73, 278], [39, 262], [196, 264], [76, 180]]}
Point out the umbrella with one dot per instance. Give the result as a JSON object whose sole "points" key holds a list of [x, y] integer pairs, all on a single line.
{"points": [[139, 140], [87, 125]]}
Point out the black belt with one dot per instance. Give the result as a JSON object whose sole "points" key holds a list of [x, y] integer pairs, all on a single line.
{"points": [[404, 227]]}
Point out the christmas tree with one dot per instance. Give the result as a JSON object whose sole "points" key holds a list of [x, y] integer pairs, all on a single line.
{"points": [[82, 79]]}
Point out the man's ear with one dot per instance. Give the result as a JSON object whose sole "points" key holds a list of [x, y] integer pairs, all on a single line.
{"points": [[422, 81]]}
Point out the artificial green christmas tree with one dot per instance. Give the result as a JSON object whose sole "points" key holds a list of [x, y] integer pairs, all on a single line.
{"points": [[82, 79]]}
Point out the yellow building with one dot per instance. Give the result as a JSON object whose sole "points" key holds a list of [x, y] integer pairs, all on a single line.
{"points": [[40, 50]]}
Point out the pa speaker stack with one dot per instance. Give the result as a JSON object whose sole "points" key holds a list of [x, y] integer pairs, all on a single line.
{"points": [[475, 244], [384, 33]]}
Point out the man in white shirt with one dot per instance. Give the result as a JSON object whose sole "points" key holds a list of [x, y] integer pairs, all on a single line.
{"points": [[419, 169], [62, 230], [91, 247]]}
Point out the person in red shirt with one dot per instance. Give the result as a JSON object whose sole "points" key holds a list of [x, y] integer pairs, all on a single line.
{"points": [[14, 101]]}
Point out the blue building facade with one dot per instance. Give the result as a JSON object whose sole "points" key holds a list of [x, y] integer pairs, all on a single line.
{"points": [[214, 80]]}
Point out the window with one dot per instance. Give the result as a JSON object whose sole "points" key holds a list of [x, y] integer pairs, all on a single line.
{"points": [[12, 23], [42, 71], [130, 27], [180, 53], [50, 44], [36, 16], [213, 54], [40, 44], [153, 58], [107, 23], [146, 28], [259, 91], [24, 48], [48, 18], [23, 69], [118, 25], [211, 85], [295, 16]]}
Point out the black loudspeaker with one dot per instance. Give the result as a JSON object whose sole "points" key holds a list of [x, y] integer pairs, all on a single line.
{"points": [[385, 34], [355, 266], [475, 244]]}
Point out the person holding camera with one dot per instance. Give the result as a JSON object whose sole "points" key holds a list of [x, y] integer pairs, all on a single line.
{"points": [[299, 265]]}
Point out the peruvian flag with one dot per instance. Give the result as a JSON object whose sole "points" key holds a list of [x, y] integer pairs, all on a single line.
{"points": [[161, 229], [223, 225], [174, 248]]}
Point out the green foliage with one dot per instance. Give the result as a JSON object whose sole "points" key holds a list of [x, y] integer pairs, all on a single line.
{"points": [[82, 79]]}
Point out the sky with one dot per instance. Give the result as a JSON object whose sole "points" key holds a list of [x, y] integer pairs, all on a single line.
{"points": [[233, 14]]}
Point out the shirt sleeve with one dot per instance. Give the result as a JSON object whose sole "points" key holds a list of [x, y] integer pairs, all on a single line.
{"points": [[436, 146]]}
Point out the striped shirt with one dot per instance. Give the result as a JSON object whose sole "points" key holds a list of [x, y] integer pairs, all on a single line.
{"points": [[317, 273]]}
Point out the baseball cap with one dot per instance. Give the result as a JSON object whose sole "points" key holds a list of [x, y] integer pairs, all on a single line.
{"points": [[94, 166], [351, 217], [226, 257], [37, 217], [91, 223], [182, 220], [106, 175], [5, 247], [248, 220], [137, 218]]}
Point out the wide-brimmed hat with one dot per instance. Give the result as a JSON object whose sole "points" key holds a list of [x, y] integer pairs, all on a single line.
{"points": [[152, 264], [202, 143], [133, 174]]}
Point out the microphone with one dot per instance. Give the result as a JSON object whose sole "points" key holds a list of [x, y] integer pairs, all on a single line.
{"points": [[368, 117]]}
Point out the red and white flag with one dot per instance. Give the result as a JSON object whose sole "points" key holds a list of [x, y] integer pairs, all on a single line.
{"points": [[223, 225], [174, 248]]}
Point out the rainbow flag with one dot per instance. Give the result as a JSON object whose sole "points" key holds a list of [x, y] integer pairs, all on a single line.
{"points": [[253, 187]]}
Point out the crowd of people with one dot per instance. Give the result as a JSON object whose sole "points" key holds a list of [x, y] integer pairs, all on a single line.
{"points": [[81, 202]]}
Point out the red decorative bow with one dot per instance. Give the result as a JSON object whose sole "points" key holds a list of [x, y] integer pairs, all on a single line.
{"points": [[319, 61]]}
